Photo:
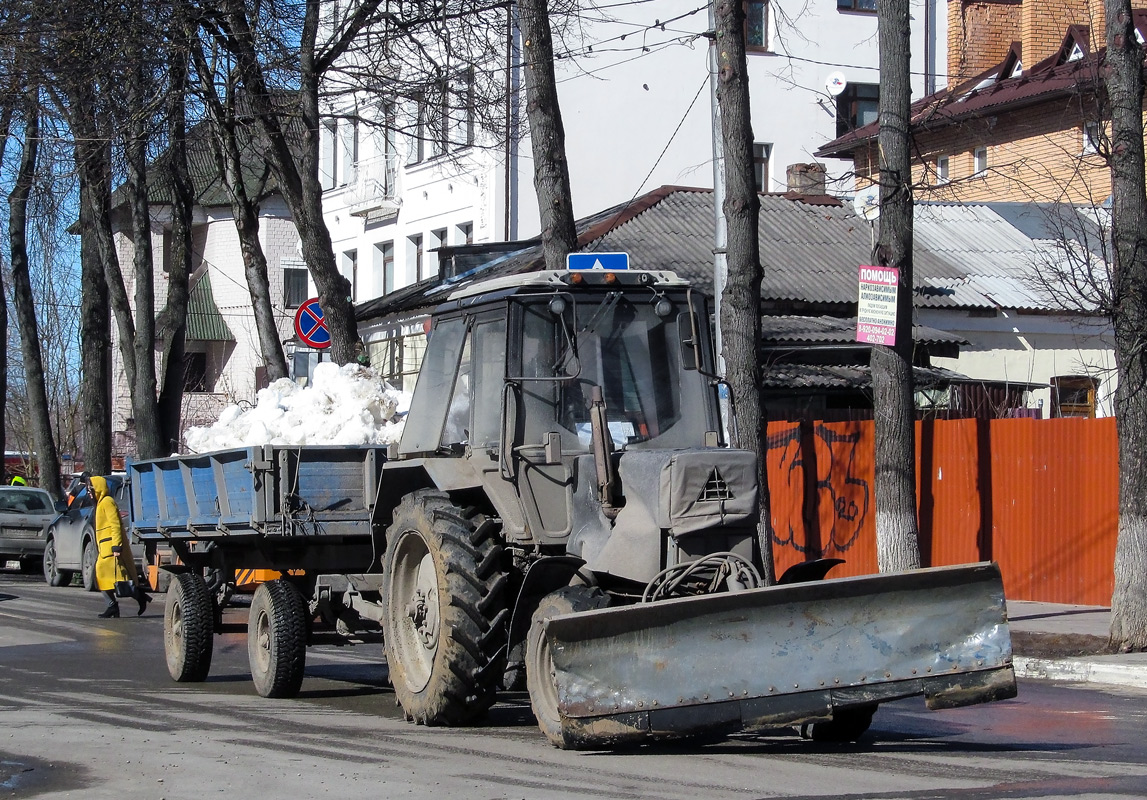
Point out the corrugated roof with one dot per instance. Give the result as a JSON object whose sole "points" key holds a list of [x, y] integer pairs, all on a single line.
{"points": [[204, 322], [791, 329], [964, 256], [821, 377]]}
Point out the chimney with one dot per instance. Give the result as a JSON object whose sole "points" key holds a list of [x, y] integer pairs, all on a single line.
{"points": [[980, 33], [805, 178]]}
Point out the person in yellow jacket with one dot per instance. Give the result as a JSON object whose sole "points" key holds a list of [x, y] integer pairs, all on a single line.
{"points": [[115, 560]]}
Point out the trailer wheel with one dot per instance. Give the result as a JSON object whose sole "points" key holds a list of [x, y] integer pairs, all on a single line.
{"points": [[53, 575], [277, 639], [88, 565], [188, 628], [847, 725], [539, 664], [444, 609]]}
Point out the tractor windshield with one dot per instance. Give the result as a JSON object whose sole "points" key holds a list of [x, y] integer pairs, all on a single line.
{"points": [[631, 348]]}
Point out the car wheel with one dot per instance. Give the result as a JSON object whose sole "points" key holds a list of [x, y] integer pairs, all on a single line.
{"points": [[54, 576], [88, 565]]}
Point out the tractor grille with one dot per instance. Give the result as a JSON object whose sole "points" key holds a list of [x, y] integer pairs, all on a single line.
{"points": [[715, 488]]}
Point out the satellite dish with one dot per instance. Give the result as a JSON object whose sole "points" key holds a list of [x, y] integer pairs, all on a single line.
{"points": [[835, 83], [866, 203]]}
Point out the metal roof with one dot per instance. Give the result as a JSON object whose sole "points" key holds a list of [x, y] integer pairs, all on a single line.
{"points": [[1060, 76], [791, 329], [204, 322], [964, 257], [822, 377]]}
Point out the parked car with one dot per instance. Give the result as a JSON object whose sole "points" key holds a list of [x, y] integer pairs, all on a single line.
{"points": [[71, 539], [25, 514]]}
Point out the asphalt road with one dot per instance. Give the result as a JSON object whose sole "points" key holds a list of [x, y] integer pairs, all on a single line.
{"points": [[87, 709]]}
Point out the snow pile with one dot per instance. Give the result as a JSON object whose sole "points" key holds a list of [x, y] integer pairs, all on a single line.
{"points": [[341, 405]]}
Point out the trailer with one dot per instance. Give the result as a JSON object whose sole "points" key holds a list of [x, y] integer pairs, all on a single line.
{"points": [[562, 513]]}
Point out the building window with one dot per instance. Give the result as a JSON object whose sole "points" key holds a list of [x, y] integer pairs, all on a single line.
{"points": [[350, 272], [856, 5], [980, 161], [757, 25], [1092, 138], [942, 169], [294, 287], [328, 162], [465, 233], [398, 357], [460, 130], [414, 257], [438, 119], [761, 153], [418, 145], [856, 106], [195, 372], [1073, 396], [384, 268], [348, 140]]}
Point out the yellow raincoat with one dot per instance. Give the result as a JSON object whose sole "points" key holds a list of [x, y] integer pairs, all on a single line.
{"points": [[109, 536]]}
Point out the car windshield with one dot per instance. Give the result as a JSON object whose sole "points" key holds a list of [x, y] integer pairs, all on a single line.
{"points": [[25, 501]]}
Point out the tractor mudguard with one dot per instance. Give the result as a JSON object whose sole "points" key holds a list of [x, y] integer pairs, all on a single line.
{"points": [[782, 655]]}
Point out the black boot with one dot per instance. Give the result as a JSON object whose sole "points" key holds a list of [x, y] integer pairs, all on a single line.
{"points": [[109, 612], [143, 598]]}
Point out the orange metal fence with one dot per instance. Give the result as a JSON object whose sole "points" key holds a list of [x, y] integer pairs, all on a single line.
{"points": [[1037, 496]]}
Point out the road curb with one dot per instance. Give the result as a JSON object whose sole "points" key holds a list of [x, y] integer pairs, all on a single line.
{"points": [[1079, 671]]}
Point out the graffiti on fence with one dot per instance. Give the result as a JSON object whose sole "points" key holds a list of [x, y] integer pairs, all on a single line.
{"points": [[829, 461]]}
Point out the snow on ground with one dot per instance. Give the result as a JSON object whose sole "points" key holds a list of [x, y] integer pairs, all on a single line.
{"points": [[341, 405]]}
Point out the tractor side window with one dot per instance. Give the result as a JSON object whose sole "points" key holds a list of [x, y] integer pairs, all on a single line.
{"points": [[435, 388], [457, 427], [488, 369]]}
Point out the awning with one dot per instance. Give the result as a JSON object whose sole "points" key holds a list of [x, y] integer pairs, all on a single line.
{"points": [[204, 322]]}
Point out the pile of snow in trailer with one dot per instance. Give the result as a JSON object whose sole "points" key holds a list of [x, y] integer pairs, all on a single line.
{"points": [[341, 405]]}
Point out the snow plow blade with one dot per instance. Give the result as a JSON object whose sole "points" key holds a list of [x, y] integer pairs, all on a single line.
{"points": [[780, 656]]}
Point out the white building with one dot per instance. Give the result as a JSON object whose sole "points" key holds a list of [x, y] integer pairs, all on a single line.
{"points": [[223, 359], [635, 92]]}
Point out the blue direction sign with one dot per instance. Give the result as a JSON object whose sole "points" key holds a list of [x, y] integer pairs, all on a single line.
{"points": [[310, 325], [597, 261]]}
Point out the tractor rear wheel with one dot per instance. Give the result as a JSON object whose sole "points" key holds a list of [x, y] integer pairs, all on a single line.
{"points": [[444, 609]]}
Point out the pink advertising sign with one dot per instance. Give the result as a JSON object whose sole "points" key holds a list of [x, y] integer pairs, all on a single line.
{"points": [[876, 307]]}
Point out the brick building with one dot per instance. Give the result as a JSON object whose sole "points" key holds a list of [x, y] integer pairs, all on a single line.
{"points": [[1022, 119]]}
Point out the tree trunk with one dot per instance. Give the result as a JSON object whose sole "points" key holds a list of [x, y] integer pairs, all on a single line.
{"points": [[5, 127], [897, 539], [547, 135], [95, 317], [297, 168], [741, 299], [1124, 81], [47, 460], [227, 150], [98, 259], [171, 324], [145, 409], [259, 286]]}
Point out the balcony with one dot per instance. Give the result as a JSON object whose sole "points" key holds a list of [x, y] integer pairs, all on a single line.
{"points": [[372, 190]]}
